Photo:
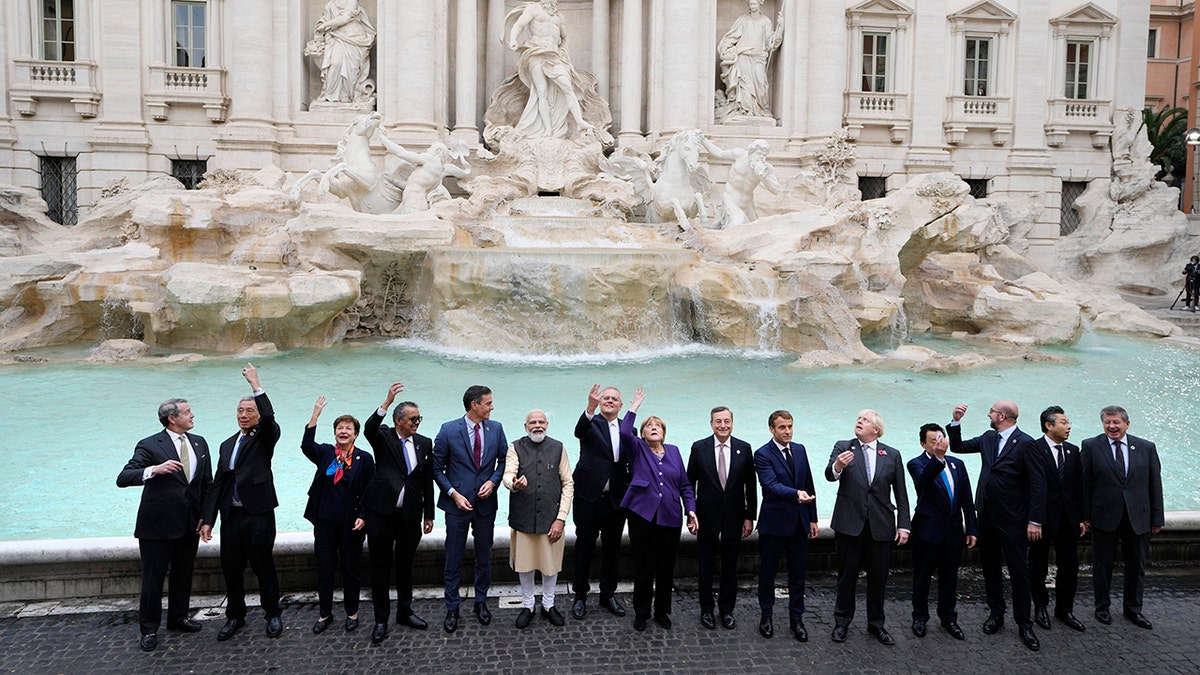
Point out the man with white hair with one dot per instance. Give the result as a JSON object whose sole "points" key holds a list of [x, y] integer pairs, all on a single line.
{"points": [[865, 523], [538, 473]]}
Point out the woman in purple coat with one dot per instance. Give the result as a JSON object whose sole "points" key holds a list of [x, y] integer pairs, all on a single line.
{"points": [[659, 493]]}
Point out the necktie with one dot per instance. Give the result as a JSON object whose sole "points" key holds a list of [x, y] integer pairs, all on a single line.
{"points": [[1058, 449], [999, 445], [237, 499], [722, 469], [787, 454], [1120, 454], [185, 458], [478, 447], [409, 457], [946, 481], [867, 464]]}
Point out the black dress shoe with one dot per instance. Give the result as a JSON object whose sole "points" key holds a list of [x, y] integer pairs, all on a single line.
{"points": [[231, 626], [1069, 619], [954, 631], [482, 613], [707, 620], [728, 622], [524, 618], [1030, 640], [766, 627], [799, 631], [1042, 617], [274, 627], [639, 623], [351, 624], [149, 642], [413, 621], [579, 608], [451, 623], [613, 605], [1139, 620], [186, 626], [321, 624], [555, 617], [839, 634], [1104, 617], [379, 633], [993, 624], [882, 635], [663, 620], [918, 628]]}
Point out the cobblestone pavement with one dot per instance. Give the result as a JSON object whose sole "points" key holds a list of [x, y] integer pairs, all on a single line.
{"points": [[82, 638]]}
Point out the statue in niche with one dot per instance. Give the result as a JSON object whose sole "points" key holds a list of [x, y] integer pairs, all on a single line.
{"points": [[422, 174], [748, 170], [744, 53], [547, 97], [342, 41]]}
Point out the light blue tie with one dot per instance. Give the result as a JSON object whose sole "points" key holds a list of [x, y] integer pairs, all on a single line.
{"points": [[946, 482]]}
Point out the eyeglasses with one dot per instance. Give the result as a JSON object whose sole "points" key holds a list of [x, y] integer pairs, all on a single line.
{"points": [[415, 419]]}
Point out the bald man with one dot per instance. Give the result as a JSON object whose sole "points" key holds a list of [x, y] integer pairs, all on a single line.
{"points": [[1011, 500]]}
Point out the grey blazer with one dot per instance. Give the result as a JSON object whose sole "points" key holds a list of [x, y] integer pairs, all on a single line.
{"points": [[1106, 495], [860, 503]]}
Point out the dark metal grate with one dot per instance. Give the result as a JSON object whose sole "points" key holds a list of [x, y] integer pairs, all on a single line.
{"points": [[979, 187], [189, 171], [1068, 217], [58, 189], [872, 187]]}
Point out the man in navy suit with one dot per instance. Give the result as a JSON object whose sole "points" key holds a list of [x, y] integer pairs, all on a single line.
{"points": [[175, 473], [1064, 522], [865, 523], [1011, 500], [721, 470], [787, 521], [1122, 504], [468, 461], [944, 505]]}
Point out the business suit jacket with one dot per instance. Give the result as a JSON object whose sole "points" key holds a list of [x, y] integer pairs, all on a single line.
{"points": [[1106, 496], [937, 517], [861, 504], [659, 494], [781, 514], [596, 465], [252, 474], [171, 506], [454, 464], [391, 472], [1062, 495], [718, 508], [1012, 487], [358, 475]]}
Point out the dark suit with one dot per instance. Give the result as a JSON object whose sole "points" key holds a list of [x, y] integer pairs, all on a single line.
{"points": [[596, 509], [865, 522], [454, 468], [166, 524], [783, 523], [1011, 494], [721, 512], [248, 530], [938, 533], [1122, 511], [1061, 529], [332, 508], [395, 532]]}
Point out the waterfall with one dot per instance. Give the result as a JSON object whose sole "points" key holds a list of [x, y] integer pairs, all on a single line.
{"points": [[898, 333]]}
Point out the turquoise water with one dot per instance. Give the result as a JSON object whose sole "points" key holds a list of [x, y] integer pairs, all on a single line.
{"points": [[69, 429]]}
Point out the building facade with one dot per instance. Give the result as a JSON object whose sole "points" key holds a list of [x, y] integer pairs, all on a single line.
{"points": [[1015, 96]]}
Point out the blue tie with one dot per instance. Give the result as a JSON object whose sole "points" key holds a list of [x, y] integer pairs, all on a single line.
{"points": [[946, 482], [999, 445]]}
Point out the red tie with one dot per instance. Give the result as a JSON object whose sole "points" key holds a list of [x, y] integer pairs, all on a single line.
{"points": [[478, 447]]}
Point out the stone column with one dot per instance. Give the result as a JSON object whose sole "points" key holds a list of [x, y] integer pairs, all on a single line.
{"points": [[413, 93], [466, 71], [677, 77], [927, 151], [631, 73], [793, 58], [600, 37], [249, 139], [493, 47], [119, 140], [1130, 76], [826, 73]]}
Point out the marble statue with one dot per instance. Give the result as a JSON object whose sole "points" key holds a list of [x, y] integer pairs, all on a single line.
{"points": [[421, 174], [674, 186], [342, 40], [748, 170], [744, 53], [353, 175], [547, 97]]}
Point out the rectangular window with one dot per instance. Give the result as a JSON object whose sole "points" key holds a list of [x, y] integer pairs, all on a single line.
{"points": [[58, 189], [1068, 217], [875, 62], [979, 187], [1152, 44], [979, 58], [872, 187], [1079, 59], [189, 22], [189, 171], [58, 30]]}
